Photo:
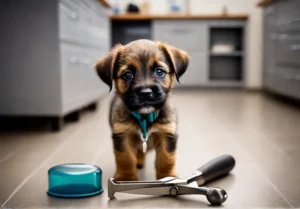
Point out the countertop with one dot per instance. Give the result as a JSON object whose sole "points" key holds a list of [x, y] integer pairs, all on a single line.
{"points": [[263, 3], [105, 3], [177, 16]]}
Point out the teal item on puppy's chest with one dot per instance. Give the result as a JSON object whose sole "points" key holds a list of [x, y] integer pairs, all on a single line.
{"points": [[145, 120]]}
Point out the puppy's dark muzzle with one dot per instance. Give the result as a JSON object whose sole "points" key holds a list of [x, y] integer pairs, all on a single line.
{"points": [[145, 94]]}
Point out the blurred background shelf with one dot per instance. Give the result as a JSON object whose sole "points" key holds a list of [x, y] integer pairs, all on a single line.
{"points": [[227, 54], [226, 68], [226, 61]]}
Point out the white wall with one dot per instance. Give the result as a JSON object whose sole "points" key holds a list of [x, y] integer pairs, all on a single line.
{"points": [[253, 74]]}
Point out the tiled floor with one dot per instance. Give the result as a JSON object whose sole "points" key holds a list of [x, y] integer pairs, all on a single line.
{"points": [[262, 134]]}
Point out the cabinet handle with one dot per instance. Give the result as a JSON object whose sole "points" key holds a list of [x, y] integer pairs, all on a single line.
{"points": [[294, 21], [73, 60], [290, 22], [291, 77], [274, 36], [295, 47], [283, 36], [180, 31], [73, 16], [86, 62]]}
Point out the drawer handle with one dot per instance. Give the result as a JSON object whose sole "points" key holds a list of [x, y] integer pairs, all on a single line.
{"points": [[290, 22], [73, 16], [295, 47], [74, 60], [86, 62], [288, 77], [274, 36], [291, 77], [283, 36], [180, 31]]}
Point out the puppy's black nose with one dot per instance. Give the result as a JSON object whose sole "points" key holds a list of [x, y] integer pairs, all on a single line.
{"points": [[146, 93]]}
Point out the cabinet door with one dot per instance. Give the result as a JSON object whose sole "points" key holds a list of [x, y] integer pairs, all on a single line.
{"points": [[290, 78], [288, 15], [196, 73], [189, 35], [72, 74], [69, 21], [93, 26], [286, 81], [92, 83], [270, 37], [288, 49]]}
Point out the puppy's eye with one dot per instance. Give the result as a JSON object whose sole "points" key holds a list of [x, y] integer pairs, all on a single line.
{"points": [[127, 76], [159, 72]]}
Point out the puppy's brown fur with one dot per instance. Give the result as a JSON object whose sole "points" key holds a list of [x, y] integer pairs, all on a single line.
{"points": [[141, 58]]}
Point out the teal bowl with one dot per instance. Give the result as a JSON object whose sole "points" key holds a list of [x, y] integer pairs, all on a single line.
{"points": [[74, 180]]}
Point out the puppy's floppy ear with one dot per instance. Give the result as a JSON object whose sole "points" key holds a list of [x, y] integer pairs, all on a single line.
{"points": [[178, 59], [106, 66]]}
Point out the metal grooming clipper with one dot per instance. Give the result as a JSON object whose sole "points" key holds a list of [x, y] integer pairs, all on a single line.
{"points": [[214, 169]]}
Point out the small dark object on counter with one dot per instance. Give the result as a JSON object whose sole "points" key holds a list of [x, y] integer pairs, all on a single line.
{"points": [[132, 8]]}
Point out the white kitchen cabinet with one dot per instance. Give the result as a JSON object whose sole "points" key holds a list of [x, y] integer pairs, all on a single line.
{"points": [[46, 69]]}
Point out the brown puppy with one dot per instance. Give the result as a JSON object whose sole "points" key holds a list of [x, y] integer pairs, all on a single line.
{"points": [[143, 72]]}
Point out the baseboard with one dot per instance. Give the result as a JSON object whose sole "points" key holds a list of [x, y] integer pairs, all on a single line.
{"points": [[281, 98], [253, 90]]}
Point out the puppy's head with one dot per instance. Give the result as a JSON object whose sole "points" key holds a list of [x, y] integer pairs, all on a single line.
{"points": [[143, 72]]}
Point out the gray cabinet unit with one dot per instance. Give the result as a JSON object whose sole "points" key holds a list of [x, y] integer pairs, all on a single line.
{"points": [[196, 73], [282, 48], [197, 36], [190, 35], [47, 56]]}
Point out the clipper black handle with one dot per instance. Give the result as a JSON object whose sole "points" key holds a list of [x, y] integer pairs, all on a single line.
{"points": [[217, 167]]}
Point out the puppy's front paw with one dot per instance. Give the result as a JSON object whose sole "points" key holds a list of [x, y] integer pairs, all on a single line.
{"points": [[125, 177], [140, 159], [140, 165]]}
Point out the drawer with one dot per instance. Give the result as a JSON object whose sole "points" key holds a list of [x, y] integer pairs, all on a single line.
{"points": [[196, 73], [69, 21], [72, 72], [276, 83], [92, 82], [90, 16], [270, 9], [94, 6], [95, 37], [267, 80], [188, 35], [288, 49], [100, 20], [94, 29], [287, 82], [288, 15], [289, 73]]}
